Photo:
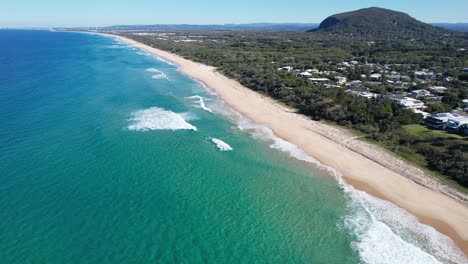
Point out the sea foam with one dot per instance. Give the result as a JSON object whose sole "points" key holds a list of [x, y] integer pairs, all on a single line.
{"points": [[221, 145], [200, 103], [389, 234], [156, 118], [384, 233], [158, 74]]}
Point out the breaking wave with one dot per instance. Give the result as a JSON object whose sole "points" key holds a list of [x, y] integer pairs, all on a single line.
{"points": [[157, 74], [156, 118], [383, 229], [201, 103], [383, 232], [221, 145]]}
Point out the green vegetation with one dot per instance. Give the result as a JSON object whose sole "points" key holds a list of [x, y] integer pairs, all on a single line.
{"points": [[378, 22], [254, 59], [439, 150]]}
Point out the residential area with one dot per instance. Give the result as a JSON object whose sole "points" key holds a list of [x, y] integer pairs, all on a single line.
{"points": [[421, 90]]}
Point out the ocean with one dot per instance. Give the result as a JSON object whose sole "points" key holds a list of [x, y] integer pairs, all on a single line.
{"points": [[111, 155]]}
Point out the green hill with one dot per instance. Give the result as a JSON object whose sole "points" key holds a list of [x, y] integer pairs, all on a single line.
{"points": [[377, 22]]}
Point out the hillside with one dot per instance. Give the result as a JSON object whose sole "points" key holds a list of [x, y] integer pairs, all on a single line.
{"points": [[378, 22]]}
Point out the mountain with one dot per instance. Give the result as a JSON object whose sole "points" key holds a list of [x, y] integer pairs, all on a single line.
{"points": [[375, 22]]}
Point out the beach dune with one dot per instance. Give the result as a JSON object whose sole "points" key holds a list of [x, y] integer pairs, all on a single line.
{"points": [[430, 206]]}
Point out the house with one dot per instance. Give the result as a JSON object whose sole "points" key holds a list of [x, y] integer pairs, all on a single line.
{"points": [[375, 76], [331, 86], [424, 114], [439, 121], [410, 103], [438, 89], [341, 80], [394, 76], [454, 124], [286, 68], [421, 93], [305, 74], [319, 80], [448, 79], [423, 75], [367, 95], [344, 64]]}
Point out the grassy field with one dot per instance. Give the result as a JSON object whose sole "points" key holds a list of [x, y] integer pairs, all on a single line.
{"points": [[425, 132], [442, 140]]}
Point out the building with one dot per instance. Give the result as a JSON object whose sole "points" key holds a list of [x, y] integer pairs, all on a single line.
{"points": [[424, 114], [305, 74], [286, 68], [454, 124], [410, 103], [367, 95], [376, 76], [438, 89], [439, 121], [423, 75], [421, 93], [341, 80], [317, 80]]}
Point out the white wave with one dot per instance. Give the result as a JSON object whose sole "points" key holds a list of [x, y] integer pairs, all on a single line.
{"points": [[163, 60], [384, 232], [158, 74], [156, 118], [120, 46], [201, 103], [388, 234], [221, 145]]}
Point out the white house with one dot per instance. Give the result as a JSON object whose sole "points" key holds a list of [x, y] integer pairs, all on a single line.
{"points": [[438, 89], [375, 76], [319, 79], [305, 74], [424, 114], [410, 103], [367, 95], [286, 68]]}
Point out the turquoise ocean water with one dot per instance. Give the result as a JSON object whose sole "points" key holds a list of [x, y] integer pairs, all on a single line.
{"points": [[110, 155]]}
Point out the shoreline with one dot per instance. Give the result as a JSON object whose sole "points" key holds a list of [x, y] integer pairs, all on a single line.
{"points": [[421, 196]]}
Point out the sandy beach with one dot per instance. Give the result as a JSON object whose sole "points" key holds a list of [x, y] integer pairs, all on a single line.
{"points": [[364, 166]]}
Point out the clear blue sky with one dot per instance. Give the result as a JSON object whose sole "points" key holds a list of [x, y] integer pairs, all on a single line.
{"points": [[46, 13]]}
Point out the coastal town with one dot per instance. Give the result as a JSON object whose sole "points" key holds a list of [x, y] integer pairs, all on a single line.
{"points": [[409, 86]]}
